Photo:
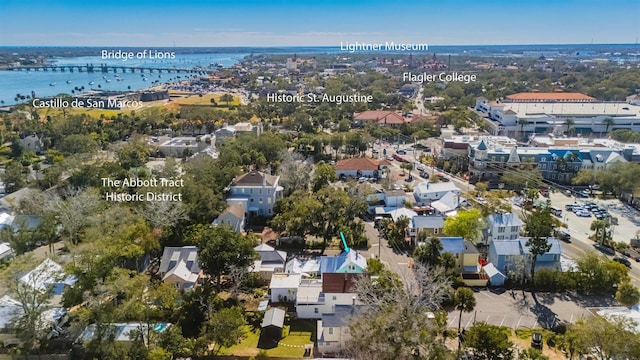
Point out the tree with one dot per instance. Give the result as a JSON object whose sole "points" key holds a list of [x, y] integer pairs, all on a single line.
{"points": [[569, 122], [323, 176], [134, 153], [31, 297], [608, 122], [518, 179], [397, 231], [73, 210], [13, 177], [394, 321], [226, 98], [220, 249], [606, 338], [489, 342], [428, 254], [598, 274], [539, 226], [162, 214], [627, 294], [225, 328], [601, 233], [465, 301], [295, 173], [465, 224], [522, 122], [78, 144]]}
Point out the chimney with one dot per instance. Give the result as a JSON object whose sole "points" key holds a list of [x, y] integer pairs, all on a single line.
{"points": [[353, 301]]}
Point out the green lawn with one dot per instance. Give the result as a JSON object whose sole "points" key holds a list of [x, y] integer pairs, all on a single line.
{"points": [[300, 332]]}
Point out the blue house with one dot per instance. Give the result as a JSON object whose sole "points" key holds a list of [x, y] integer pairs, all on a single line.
{"points": [[506, 254], [347, 262]]}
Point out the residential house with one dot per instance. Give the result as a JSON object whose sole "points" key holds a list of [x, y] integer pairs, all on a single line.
{"points": [[233, 216], [361, 167], [11, 308], [428, 192], [502, 227], [272, 323], [284, 287], [33, 143], [448, 204], [48, 275], [467, 260], [402, 212], [270, 261], [511, 255], [179, 266], [347, 262], [432, 225], [259, 190], [387, 199], [309, 268], [333, 329]]}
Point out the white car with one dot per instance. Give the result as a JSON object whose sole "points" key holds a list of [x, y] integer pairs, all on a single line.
{"points": [[583, 213], [362, 179]]}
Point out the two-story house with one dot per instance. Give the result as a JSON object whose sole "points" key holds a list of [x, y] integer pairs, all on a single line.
{"points": [[467, 260], [513, 255], [233, 216], [333, 329], [502, 227], [426, 193], [257, 191], [179, 266], [318, 297], [431, 225], [270, 261]]}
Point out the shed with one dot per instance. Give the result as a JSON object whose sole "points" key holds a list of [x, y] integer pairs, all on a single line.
{"points": [[496, 278], [272, 323]]}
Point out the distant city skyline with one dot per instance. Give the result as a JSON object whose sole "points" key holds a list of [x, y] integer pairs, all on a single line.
{"points": [[164, 23]]}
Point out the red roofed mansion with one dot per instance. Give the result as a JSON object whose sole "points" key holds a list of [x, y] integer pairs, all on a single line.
{"points": [[359, 167]]}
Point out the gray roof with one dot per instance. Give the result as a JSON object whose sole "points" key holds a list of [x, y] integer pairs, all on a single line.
{"points": [[340, 317], [469, 248], [172, 256], [273, 317], [510, 219], [427, 222], [507, 247], [556, 248]]}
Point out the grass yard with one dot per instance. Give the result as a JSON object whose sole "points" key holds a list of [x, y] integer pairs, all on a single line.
{"points": [[295, 336], [188, 99]]}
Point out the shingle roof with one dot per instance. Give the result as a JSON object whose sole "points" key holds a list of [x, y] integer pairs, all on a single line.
{"points": [[556, 248], [270, 255], [427, 222], [255, 178], [181, 271], [340, 317], [171, 256]]}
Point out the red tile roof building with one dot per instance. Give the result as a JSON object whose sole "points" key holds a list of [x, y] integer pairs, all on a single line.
{"points": [[549, 97]]}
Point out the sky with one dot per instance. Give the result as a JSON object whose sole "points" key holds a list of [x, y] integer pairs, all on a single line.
{"points": [[161, 23]]}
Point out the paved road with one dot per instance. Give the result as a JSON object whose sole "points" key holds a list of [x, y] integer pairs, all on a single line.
{"points": [[394, 260]]}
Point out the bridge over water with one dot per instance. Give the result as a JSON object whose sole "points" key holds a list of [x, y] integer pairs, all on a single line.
{"points": [[103, 68]]}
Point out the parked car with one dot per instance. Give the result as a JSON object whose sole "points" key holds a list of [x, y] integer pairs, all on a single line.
{"points": [[362, 179], [536, 341], [623, 261], [569, 207], [583, 213]]}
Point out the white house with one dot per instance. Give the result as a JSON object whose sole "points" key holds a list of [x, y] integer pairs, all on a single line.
{"points": [[448, 203], [426, 193], [48, 275], [260, 190], [318, 297], [284, 287], [502, 227], [387, 198], [333, 330], [179, 266], [271, 261], [307, 268], [233, 216]]}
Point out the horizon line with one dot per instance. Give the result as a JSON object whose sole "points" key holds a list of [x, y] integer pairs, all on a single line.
{"points": [[297, 46]]}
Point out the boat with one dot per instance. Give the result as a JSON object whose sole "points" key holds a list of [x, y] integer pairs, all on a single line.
{"points": [[92, 82], [68, 81], [108, 80], [144, 79], [52, 84]]}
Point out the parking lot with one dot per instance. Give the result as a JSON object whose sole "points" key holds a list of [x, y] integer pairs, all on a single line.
{"points": [[580, 227], [519, 309]]}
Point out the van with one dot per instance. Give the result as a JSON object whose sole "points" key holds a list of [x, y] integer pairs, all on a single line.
{"points": [[563, 234]]}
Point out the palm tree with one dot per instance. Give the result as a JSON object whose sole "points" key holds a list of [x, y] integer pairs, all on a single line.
{"points": [[569, 122], [600, 229], [608, 122], [464, 301], [429, 253], [522, 123]]}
